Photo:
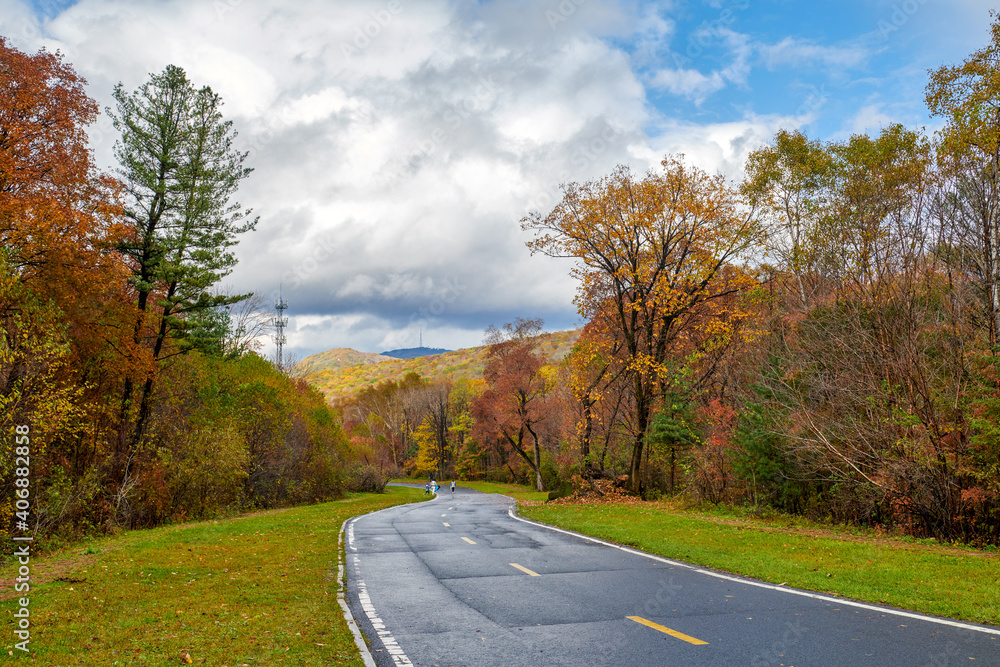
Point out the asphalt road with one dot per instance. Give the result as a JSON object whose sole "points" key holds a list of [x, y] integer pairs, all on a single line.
{"points": [[461, 581]]}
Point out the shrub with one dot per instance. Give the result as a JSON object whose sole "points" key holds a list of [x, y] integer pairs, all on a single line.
{"points": [[367, 478]]}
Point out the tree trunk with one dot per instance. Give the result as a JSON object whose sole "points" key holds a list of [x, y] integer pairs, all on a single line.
{"points": [[531, 461], [642, 425], [673, 455], [538, 460], [538, 468], [994, 257]]}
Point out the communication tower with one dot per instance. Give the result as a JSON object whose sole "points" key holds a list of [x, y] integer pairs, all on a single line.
{"points": [[279, 322]]}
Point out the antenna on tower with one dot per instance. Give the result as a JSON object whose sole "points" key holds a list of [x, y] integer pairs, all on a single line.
{"points": [[280, 322]]}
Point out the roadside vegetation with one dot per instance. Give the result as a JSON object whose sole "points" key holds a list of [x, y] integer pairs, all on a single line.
{"points": [[250, 590]]}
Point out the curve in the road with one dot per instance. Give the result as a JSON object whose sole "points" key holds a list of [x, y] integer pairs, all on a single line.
{"points": [[462, 580]]}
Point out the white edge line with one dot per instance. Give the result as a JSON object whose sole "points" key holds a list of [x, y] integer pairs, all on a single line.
{"points": [[359, 640], [758, 584]]}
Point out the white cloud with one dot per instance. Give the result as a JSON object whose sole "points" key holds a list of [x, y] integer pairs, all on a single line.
{"points": [[694, 85], [395, 152], [741, 51], [869, 118], [800, 53], [688, 83], [367, 333], [653, 33], [19, 25], [539, 124], [717, 147]]}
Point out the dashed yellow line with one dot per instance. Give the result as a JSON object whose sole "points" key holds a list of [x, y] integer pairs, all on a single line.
{"points": [[525, 570], [666, 630], [468, 540], [446, 524]]}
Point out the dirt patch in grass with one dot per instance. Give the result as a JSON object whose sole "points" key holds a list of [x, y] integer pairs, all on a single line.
{"points": [[47, 571]]}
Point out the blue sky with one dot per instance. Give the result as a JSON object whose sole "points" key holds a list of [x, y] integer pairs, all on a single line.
{"points": [[848, 66], [397, 143]]}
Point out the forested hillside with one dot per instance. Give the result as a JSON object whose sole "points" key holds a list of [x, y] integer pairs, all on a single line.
{"points": [[331, 373], [412, 352], [338, 357]]}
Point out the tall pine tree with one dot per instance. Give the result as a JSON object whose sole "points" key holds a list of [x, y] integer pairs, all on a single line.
{"points": [[180, 171]]}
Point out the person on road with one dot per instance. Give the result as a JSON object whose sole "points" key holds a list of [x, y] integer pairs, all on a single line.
{"points": [[434, 486], [453, 487]]}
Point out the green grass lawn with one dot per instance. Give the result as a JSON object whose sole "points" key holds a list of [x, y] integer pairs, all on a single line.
{"points": [[944, 581], [253, 590]]}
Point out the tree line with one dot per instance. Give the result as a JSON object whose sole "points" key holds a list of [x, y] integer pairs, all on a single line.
{"points": [[820, 338], [138, 377]]}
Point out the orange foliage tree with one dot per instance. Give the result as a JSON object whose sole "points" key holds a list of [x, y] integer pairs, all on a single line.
{"points": [[60, 288], [511, 405]]}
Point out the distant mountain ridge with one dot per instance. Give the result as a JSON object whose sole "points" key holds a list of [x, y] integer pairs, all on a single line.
{"points": [[413, 352], [338, 357], [327, 372]]}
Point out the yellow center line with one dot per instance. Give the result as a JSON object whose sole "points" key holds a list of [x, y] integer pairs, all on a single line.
{"points": [[468, 540], [446, 523], [525, 570], [666, 630], [444, 515]]}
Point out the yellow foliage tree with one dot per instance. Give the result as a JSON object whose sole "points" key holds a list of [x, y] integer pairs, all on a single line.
{"points": [[428, 452], [656, 267]]}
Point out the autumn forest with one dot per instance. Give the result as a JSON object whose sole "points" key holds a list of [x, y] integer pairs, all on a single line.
{"points": [[820, 338]]}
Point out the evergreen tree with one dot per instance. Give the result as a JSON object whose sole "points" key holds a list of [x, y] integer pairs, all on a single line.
{"points": [[180, 171]]}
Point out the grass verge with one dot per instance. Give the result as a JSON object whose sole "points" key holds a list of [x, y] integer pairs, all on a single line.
{"points": [[516, 491], [253, 590], [943, 581]]}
